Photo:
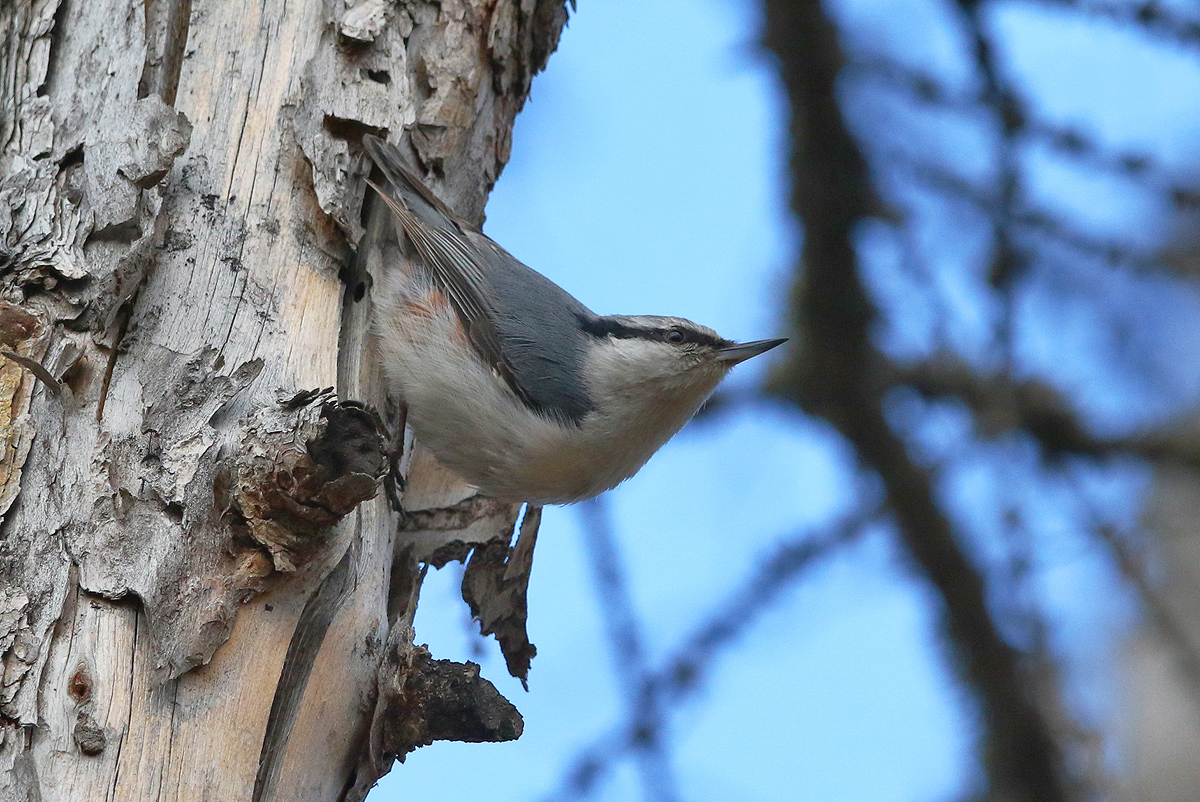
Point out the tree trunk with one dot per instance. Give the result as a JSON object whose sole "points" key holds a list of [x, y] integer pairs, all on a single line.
{"points": [[205, 591]]}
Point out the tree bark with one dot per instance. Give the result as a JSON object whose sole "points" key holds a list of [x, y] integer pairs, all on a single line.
{"points": [[204, 591]]}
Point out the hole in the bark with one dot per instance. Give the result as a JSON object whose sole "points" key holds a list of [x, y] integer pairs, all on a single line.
{"points": [[123, 231], [350, 130], [76, 376], [360, 290], [379, 76], [72, 157], [80, 686], [174, 511]]}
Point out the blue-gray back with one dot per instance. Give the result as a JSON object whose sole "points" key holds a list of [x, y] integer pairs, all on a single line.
{"points": [[520, 322], [540, 330]]}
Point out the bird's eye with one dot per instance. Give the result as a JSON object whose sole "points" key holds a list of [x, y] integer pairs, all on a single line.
{"points": [[675, 336]]}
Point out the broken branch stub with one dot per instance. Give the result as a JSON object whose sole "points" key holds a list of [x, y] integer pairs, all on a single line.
{"points": [[429, 700], [293, 480]]}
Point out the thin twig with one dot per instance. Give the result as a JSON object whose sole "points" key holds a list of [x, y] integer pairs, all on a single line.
{"points": [[46, 377], [1071, 144], [1154, 18]]}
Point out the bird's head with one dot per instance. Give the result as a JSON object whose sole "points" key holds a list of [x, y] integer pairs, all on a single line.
{"points": [[659, 364]]}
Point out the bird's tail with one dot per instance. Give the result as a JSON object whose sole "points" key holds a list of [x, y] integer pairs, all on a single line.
{"points": [[404, 187]]}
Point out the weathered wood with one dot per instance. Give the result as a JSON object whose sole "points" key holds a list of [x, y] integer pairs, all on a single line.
{"points": [[193, 601]]}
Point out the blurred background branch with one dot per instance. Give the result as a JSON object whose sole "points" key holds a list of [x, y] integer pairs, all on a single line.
{"points": [[835, 373]]}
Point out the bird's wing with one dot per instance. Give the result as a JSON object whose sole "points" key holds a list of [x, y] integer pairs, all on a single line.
{"points": [[519, 322], [539, 324], [408, 187]]}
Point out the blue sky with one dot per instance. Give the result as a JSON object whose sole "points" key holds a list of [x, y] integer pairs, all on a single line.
{"points": [[647, 176]]}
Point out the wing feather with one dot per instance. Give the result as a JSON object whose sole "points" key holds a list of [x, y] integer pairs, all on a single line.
{"points": [[519, 322], [457, 273]]}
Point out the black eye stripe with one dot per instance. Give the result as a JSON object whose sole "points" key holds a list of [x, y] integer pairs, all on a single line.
{"points": [[675, 335]]}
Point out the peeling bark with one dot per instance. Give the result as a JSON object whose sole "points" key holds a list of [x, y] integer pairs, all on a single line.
{"points": [[198, 567], [495, 585]]}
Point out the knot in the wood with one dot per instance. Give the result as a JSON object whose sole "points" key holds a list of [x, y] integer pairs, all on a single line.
{"points": [[80, 686], [431, 700], [89, 736], [299, 471]]}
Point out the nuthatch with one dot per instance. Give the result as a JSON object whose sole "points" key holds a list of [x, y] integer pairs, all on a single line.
{"points": [[511, 382]]}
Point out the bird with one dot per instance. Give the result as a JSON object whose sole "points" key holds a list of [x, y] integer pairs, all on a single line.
{"points": [[510, 381]]}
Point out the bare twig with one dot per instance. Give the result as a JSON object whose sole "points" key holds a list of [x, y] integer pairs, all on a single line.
{"points": [[1002, 405], [1007, 261], [1035, 223], [1069, 143], [1154, 18]]}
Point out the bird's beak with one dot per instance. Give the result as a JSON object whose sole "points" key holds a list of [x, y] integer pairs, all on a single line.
{"points": [[740, 352]]}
